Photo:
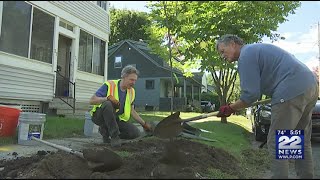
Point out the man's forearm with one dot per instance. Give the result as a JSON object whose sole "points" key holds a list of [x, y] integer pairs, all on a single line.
{"points": [[136, 116], [97, 100]]}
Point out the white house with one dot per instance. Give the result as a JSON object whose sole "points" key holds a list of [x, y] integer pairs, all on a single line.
{"points": [[39, 38]]}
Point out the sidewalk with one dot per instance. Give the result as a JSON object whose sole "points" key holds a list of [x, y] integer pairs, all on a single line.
{"points": [[16, 150]]}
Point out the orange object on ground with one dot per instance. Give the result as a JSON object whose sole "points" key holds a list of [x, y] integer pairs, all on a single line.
{"points": [[8, 120]]}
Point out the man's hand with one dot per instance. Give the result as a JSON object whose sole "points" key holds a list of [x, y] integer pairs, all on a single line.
{"points": [[115, 103], [147, 127], [225, 111]]}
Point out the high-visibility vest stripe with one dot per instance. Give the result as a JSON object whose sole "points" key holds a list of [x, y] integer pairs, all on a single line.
{"points": [[113, 90], [112, 87]]}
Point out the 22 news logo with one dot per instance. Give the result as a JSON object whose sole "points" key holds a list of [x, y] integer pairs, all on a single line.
{"points": [[289, 144]]}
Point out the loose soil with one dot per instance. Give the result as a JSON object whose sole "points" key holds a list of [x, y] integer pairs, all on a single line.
{"points": [[145, 159]]}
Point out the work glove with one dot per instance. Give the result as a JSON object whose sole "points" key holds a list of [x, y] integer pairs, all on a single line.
{"points": [[115, 103], [225, 111], [147, 127]]}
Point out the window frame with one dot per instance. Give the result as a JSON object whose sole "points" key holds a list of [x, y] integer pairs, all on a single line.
{"points": [[93, 49], [100, 4], [52, 37], [29, 48], [114, 63], [66, 24], [147, 83]]}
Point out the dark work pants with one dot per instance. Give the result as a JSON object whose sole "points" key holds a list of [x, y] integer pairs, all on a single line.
{"points": [[110, 124]]}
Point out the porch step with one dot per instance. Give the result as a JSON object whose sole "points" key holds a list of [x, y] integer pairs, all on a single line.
{"points": [[70, 111], [62, 109], [57, 103], [69, 114]]}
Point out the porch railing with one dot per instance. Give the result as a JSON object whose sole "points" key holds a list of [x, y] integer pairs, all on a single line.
{"points": [[62, 90]]}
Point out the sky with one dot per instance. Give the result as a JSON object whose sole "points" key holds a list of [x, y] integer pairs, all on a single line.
{"points": [[300, 31]]}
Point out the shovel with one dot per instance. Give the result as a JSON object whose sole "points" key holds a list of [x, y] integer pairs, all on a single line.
{"points": [[98, 160], [172, 125]]}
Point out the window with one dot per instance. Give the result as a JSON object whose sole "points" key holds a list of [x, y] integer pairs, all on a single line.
{"points": [[117, 62], [91, 54], [42, 36], [66, 25], [15, 28], [85, 52], [102, 4], [149, 84], [15, 31], [98, 56], [196, 90], [177, 91]]}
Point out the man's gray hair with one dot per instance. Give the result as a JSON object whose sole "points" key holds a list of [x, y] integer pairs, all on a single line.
{"points": [[129, 69], [226, 39]]}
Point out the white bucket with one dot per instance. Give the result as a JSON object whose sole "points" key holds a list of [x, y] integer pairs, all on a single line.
{"points": [[30, 124], [90, 129]]}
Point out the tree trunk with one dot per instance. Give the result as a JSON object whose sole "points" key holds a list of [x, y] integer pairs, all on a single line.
{"points": [[224, 120]]}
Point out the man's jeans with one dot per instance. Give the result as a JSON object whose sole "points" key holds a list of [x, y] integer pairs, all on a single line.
{"points": [[110, 125], [293, 114]]}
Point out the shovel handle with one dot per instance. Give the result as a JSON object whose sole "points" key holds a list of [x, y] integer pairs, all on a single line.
{"points": [[201, 116], [265, 101], [62, 148]]}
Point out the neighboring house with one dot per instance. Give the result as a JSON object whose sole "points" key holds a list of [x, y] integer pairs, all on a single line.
{"points": [[153, 87], [204, 84], [51, 50], [210, 88]]}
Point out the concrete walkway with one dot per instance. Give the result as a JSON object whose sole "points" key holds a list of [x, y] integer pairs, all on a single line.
{"points": [[16, 150]]}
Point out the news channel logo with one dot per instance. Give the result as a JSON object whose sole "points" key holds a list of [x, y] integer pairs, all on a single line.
{"points": [[289, 144]]}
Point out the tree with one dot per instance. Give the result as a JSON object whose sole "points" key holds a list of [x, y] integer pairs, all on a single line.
{"points": [[162, 20], [197, 25], [126, 24], [163, 30]]}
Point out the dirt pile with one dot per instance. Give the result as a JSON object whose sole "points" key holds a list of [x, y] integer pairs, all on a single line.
{"points": [[146, 159]]}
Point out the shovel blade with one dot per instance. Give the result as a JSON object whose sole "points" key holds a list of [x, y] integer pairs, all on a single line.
{"points": [[102, 159], [169, 127]]}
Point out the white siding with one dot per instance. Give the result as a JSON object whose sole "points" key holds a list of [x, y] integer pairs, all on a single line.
{"points": [[35, 83], [86, 85], [87, 11], [95, 20], [30, 80]]}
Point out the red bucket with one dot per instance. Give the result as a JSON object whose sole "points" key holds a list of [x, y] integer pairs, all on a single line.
{"points": [[9, 118]]}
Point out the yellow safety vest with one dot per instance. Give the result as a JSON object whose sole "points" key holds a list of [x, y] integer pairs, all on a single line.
{"points": [[113, 90]]}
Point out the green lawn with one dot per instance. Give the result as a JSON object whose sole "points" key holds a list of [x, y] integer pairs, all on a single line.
{"points": [[54, 127], [232, 136]]}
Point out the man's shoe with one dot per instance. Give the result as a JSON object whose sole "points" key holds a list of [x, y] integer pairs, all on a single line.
{"points": [[116, 142], [105, 137]]}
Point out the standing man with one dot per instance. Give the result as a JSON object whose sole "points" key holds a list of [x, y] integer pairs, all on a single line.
{"points": [[113, 105], [270, 70]]}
